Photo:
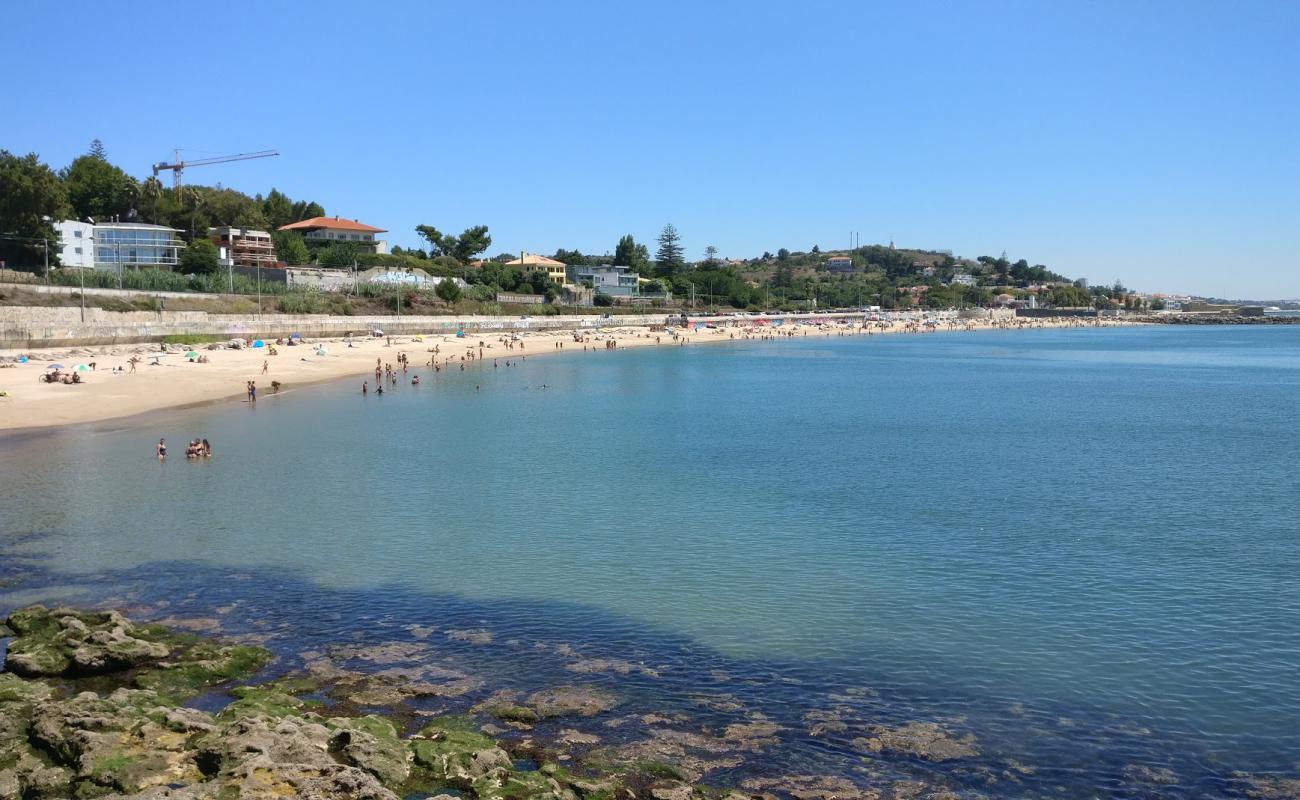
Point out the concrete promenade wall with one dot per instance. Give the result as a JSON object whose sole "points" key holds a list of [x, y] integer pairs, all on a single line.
{"points": [[29, 327]]}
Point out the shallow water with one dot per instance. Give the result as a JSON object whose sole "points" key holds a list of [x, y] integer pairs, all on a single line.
{"points": [[1080, 546]]}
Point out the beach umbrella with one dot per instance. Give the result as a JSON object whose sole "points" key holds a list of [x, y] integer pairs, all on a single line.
{"points": [[295, 336], [22, 359], [83, 368], [191, 355], [259, 343], [55, 366]]}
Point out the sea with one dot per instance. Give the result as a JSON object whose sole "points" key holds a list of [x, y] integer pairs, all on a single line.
{"points": [[1072, 554]]}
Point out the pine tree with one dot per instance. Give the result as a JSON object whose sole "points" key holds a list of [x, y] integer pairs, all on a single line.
{"points": [[669, 259]]}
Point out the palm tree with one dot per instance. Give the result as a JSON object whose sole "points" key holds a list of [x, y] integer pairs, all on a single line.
{"points": [[151, 190]]}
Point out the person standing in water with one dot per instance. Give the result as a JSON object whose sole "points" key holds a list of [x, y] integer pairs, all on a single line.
{"points": [[365, 387], [162, 449]]}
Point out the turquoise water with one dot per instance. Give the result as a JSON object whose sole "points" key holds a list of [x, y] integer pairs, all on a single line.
{"points": [[1081, 546]]}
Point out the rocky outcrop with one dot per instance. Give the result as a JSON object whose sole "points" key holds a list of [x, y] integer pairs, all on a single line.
{"points": [[65, 643], [91, 710]]}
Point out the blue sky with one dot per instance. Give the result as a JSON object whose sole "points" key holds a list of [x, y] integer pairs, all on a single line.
{"points": [[1156, 142]]}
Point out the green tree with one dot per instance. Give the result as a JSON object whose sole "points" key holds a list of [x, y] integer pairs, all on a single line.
{"points": [[448, 290], [669, 258], [29, 191], [783, 254], [277, 209], [151, 199], [96, 188], [471, 242], [290, 247], [340, 255], [711, 255], [630, 254], [463, 248], [304, 209], [200, 258], [436, 239]]}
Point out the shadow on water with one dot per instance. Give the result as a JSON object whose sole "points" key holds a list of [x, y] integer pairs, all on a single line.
{"points": [[814, 718]]}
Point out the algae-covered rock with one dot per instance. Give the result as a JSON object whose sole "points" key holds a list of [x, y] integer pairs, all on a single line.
{"points": [[370, 743], [14, 689], [503, 784], [268, 699], [77, 644], [202, 664], [64, 642], [125, 742], [455, 756]]}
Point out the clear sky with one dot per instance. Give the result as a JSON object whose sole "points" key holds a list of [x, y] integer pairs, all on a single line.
{"points": [[1156, 142]]}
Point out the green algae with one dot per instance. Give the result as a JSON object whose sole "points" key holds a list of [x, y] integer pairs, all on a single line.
{"points": [[204, 665], [267, 699]]}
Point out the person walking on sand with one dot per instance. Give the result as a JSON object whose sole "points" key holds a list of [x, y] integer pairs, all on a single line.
{"points": [[265, 366]]}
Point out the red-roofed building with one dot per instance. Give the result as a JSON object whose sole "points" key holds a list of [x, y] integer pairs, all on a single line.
{"points": [[324, 231]]}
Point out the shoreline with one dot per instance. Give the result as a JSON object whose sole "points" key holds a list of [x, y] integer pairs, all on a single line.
{"points": [[31, 407]]}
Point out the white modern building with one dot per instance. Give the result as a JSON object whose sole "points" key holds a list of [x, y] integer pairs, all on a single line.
{"points": [[616, 281], [111, 246]]}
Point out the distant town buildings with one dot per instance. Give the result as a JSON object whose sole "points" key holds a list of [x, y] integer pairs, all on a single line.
{"points": [[324, 231], [112, 246]]}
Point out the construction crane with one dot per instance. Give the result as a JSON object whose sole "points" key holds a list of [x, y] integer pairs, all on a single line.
{"points": [[179, 166]]}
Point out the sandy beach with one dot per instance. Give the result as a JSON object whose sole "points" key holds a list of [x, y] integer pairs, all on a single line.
{"points": [[163, 380]]}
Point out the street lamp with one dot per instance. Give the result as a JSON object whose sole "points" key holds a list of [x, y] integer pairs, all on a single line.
{"points": [[46, 241]]}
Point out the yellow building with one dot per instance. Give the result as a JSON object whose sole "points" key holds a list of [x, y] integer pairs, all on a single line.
{"points": [[556, 271]]}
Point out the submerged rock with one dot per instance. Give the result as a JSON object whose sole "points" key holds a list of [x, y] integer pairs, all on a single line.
{"points": [[584, 701], [812, 787], [1270, 787], [926, 740]]}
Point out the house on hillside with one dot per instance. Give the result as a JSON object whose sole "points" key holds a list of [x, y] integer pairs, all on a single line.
{"points": [[324, 231], [839, 264], [963, 279], [556, 271]]}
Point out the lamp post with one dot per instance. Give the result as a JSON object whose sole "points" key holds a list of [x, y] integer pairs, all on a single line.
{"points": [[46, 241]]}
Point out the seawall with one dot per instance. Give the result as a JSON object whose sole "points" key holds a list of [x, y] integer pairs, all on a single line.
{"points": [[30, 327]]}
